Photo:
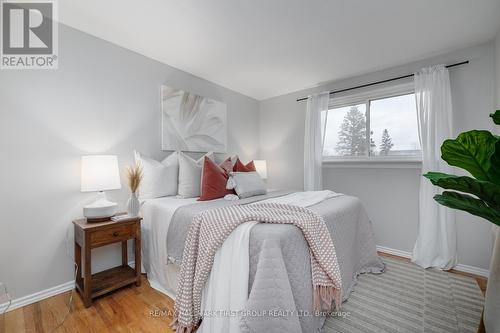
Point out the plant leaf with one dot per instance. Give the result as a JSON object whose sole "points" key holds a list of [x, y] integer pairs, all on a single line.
{"points": [[484, 190], [472, 151], [496, 117], [469, 204], [495, 161]]}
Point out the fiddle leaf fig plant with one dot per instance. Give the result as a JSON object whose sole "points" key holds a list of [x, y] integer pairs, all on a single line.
{"points": [[477, 152]]}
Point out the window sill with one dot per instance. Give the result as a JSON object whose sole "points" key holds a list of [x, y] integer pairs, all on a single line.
{"points": [[368, 163]]}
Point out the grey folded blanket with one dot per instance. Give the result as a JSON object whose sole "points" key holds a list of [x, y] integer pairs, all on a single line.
{"points": [[211, 228]]}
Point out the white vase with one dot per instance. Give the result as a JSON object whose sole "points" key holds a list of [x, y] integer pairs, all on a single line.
{"points": [[133, 205]]}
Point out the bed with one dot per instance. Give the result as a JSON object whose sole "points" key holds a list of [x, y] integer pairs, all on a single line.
{"points": [[279, 271]]}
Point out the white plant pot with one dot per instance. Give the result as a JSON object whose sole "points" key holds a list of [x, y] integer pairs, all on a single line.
{"points": [[492, 299], [133, 205]]}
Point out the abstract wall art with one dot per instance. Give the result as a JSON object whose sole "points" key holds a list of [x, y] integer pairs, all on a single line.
{"points": [[191, 122]]}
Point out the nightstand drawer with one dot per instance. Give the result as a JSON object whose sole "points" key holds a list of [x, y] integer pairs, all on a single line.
{"points": [[112, 235]]}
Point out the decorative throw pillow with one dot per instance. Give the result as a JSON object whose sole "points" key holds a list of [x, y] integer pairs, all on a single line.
{"points": [[190, 175], [246, 184], [234, 159], [227, 165], [214, 179], [240, 167], [159, 178]]}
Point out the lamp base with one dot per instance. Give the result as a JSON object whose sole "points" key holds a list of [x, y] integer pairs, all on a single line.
{"points": [[100, 210], [98, 220]]}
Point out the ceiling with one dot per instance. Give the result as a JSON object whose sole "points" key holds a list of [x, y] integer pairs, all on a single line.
{"points": [[265, 48]]}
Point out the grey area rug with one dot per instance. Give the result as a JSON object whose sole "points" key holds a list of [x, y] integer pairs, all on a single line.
{"points": [[407, 298]]}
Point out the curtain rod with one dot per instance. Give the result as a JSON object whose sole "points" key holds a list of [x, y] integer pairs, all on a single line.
{"points": [[383, 81]]}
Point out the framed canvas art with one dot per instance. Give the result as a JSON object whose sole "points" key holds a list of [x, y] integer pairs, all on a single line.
{"points": [[191, 122]]}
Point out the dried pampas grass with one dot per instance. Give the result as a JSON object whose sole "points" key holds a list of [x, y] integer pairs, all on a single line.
{"points": [[134, 177]]}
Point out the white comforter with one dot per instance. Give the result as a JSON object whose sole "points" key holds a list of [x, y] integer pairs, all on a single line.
{"points": [[157, 214]]}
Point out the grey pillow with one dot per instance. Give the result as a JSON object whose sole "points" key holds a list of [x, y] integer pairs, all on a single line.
{"points": [[246, 184], [190, 175]]}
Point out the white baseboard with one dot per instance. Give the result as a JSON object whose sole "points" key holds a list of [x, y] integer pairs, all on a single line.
{"points": [[460, 267], [41, 295], [472, 270], [395, 252], [38, 296]]}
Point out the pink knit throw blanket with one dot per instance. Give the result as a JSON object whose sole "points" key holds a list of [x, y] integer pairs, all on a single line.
{"points": [[208, 231]]}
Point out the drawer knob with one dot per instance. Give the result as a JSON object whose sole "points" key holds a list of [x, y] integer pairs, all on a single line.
{"points": [[115, 233]]}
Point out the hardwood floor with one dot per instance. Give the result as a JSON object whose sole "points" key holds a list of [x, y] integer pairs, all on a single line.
{"points": [[130, 309]]}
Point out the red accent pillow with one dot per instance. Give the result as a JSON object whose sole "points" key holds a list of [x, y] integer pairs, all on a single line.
{"points": [[214, 179], [240, 167]]}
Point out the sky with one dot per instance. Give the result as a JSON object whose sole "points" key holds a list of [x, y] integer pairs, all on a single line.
{"points": [[397, 114]]}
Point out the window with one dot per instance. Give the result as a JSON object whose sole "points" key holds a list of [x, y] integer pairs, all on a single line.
{"points": [[382, 126], [345, 133]]}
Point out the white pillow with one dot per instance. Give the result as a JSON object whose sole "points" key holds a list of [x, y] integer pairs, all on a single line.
{"points": [[246, 184], [160, 178], [190, 175]]}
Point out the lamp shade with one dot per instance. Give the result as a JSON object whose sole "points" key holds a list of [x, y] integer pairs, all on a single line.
{"points": [[100, 173], [261, 167]]}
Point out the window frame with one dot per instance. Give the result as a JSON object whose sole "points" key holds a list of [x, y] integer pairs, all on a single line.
{"points": [[365, 98]]}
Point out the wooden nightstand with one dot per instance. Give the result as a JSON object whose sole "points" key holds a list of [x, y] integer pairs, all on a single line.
{"points": [[92, 235]]}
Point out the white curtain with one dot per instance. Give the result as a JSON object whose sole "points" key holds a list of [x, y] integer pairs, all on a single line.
{"points": [[313, 141], [436, 244]]}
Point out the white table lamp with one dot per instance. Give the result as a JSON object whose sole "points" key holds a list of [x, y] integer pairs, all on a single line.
{"points": [[100, 173], [261, 167]]}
